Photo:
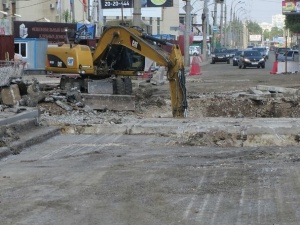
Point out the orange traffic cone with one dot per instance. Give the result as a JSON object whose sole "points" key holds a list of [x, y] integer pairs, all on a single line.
{"points": [[195, 67], [275, 68]]}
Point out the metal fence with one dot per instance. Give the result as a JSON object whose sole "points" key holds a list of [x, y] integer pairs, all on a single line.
{"points": [[10, 70]]}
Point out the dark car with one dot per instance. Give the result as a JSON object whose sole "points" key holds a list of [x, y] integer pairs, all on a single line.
{"points": [[263, 51], [236, 57], [251, 58], [231, 52], [220, 55]]}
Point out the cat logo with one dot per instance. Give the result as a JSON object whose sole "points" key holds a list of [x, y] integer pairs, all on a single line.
{"points": [[135, 43]]}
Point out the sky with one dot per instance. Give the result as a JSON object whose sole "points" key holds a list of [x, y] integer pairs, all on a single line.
{"points": [[255, 10], [262, 10]]}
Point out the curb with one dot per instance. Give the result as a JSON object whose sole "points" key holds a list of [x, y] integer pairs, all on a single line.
{"points": [[35, 136]]}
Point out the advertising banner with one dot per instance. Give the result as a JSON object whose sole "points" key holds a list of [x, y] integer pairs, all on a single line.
{"points": [[111, 4], [54, 32], [86, 31], [255, 37], [290, 7]]}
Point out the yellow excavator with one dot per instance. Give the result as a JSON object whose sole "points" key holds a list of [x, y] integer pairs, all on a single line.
{"points": [[119, 55]]}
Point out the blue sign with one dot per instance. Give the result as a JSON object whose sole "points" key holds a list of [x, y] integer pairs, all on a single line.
{"points": [[215, 28], [87, 30]]}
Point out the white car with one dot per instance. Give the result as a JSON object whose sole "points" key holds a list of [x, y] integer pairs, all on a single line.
{"points": [[291, 55]]}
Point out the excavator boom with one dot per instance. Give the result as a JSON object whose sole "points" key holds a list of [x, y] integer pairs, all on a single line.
{"points": [[141, 43]]}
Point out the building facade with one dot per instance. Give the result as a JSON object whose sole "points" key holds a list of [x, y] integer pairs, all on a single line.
{"points": [[161, 20]]}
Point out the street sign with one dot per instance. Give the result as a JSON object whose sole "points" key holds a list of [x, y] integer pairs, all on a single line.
{"points": [[215, 28], [184, 8]]}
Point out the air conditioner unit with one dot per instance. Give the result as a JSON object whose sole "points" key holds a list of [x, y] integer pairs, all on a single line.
{"points": [[52, 6], [6, 6]]}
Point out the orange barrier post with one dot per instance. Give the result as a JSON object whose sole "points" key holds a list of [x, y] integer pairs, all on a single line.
{"points": [[275, 68], [195, 67]]}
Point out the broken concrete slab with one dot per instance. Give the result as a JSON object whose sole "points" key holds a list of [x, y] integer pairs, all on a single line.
{"points": [[254, 96], [253, 90], [64, 105], [10, 95], [277, 89]]}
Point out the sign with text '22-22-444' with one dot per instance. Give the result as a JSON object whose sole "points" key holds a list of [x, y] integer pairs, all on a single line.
{"points": [[111, 4]]}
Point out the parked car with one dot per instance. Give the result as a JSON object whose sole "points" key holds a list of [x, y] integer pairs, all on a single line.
{"points": [[220, 55], [236, 57], [232, 52], [194, 50], [291, 55], [280, 51], [251, 58], [263, 51]]}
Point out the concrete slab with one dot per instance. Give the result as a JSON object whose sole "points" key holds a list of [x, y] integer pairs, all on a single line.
{"points": [[12, 117]]}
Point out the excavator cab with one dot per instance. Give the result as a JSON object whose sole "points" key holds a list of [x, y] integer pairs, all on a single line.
{"points": [[120, 58]]}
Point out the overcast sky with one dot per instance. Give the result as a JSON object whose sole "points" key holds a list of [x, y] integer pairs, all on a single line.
{"points": [[257, 10], [262, 10]]}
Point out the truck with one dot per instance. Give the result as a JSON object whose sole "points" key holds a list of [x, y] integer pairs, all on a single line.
{"points": [[120, 56]]}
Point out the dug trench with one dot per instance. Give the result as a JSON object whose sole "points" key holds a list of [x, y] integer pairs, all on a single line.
{"points": [[215, 109]]}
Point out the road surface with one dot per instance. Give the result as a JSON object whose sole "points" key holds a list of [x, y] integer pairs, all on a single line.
{"points": [[148, 180]]}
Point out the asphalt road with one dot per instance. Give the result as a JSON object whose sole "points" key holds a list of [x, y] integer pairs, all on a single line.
{"points": [[222, 77], [135, 180]]}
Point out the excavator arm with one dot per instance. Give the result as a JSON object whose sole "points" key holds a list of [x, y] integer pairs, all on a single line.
{"points": [[141, 43]]}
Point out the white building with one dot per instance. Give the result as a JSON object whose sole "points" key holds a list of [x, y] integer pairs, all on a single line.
{"points": [[266, 26], [278, 21]]}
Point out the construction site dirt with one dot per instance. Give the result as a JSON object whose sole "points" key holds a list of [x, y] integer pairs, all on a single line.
{"points": [[144, 167]]}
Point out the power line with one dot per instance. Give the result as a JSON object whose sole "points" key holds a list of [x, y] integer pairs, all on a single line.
{"points": [[34, 4]]}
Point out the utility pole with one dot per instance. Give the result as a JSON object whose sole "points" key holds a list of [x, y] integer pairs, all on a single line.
{"points": [[225, 28], [214, 26], [137, 13], [204, 31], [221, 24], [187, 32]]}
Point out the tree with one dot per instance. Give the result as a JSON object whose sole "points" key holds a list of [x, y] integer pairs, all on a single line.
{"points": [[254, 28], [292, 22], [276, 32]]}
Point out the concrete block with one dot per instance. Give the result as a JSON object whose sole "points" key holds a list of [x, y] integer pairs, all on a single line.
{"points": [[10, 95], [276, 89]]}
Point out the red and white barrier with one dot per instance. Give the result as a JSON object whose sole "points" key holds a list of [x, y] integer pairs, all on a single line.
{"points": [[291, 67]]}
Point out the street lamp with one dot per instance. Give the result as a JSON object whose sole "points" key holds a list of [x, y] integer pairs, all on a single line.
{"points": [[8, 24], [237, 11], [44, 18], [230, 25]]}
